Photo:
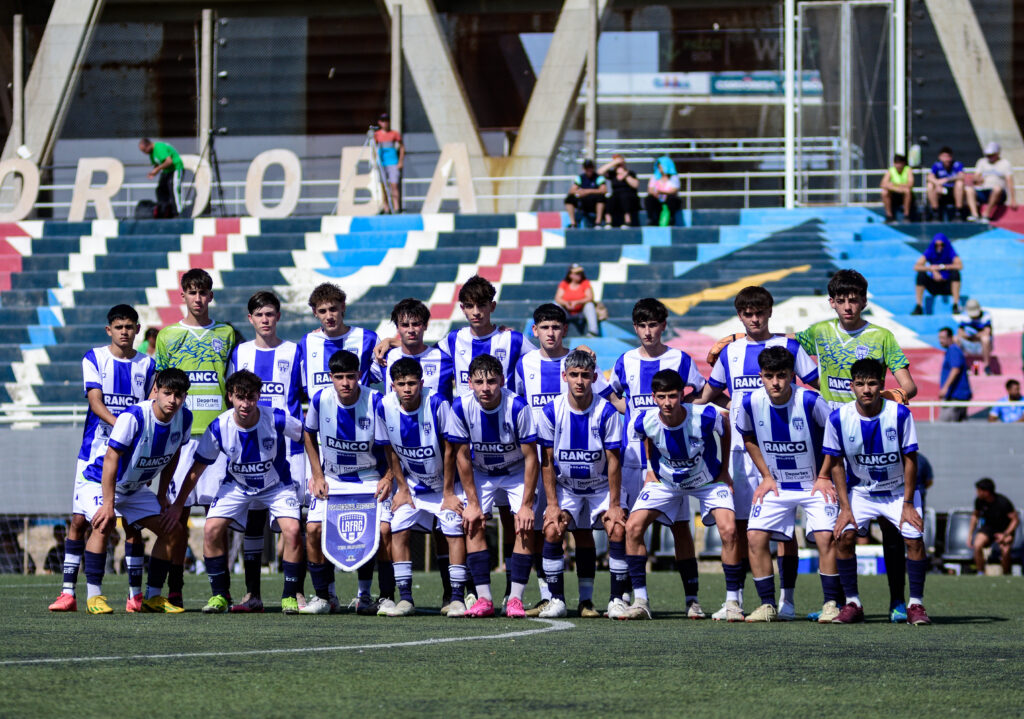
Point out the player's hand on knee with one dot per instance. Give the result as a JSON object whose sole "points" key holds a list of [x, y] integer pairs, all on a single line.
{"points": [[767, 485], [844, 520], [552, 517], [452, 503], [383, 488], [827, 489], [911, 517], [402, 496], [103, 518], [472, 518], [614, 515], [524, 519], [169, 518]]}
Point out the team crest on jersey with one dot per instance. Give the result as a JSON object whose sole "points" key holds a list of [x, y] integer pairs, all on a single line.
{"points": [[427, 426], [890, 434], [283, 366], [695, 441], [861, 352], [596, 431], [175, 436], [245, 365], [798, 424], [217, 344], [429, 369], [500, 355], [268, 443], [313, 354], [364, 423], [139, 379], [507, 427]]}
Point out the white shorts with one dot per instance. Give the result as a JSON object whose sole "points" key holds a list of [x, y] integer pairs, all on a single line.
{"points": [[866, 507], [367, 484], [234, 504], [427, 506], [490, 489], [208, 485], [585, 510], [777, 515], [745, 479], [674, 503], [132, 508], [633, 485]]}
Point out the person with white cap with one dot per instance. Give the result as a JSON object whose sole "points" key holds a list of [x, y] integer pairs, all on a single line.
{"points": [[992, 183], [975, 332]]}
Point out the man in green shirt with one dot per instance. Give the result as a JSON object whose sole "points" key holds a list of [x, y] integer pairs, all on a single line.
{"points": [[168, 165], [898, 187]]}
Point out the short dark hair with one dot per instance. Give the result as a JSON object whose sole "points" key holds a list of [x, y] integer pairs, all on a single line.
{"points": [[412, 308], [985, 484], [406, 367], [868, 368], [847, 282], [477, 291], [243, 383], [151, 332], [946, 330], [548, 312], [1011, 382], [776, 359], [196, 279], [487, 364], [946, 149], [649, 310], [122, 312], [173, 379], [326, 292], [343, 361], [588, 164], [899, 158], [754, 298], [264, 298], [667, 380]]}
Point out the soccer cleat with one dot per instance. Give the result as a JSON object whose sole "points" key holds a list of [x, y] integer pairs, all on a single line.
{"points": [[514, 609], [445, 607], [134, 604], [289, 605], [536, 609], [98, 605], [586, 610], [470, 599], [639, 609], [64, 603], [217, 604], [456, 609], [787, 612], [730, 612], [300, 599], [404, 608], [850, 614], [504, 605], [829, 611], [316, 605], [335, 605], [694, 611], [250, 605], [481, 608], [175, 598], [554, 610], [898, 614], [916, 615], [764, 613], [616, 608], [385, 607], [160, 605], [366, 607]]}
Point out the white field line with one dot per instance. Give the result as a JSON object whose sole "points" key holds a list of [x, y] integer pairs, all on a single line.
{"points": [[552, 625]]}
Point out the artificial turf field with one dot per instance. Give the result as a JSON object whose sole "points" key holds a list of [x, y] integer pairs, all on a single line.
{"points": [[970, 662]]}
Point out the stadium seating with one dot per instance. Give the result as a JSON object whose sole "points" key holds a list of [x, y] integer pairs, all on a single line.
{"points": [[958, 540]]}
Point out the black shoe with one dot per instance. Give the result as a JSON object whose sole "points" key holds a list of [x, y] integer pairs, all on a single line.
{"points": [[956, 309], [918, 310]]}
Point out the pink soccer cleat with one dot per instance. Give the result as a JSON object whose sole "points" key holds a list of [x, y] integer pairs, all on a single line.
{"points": [[482, 608], [134, 604], [64, 603], [514, 609]]}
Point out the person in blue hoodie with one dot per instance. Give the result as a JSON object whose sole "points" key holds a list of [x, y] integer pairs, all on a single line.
{"points": [[662, 201], [938, 271]]}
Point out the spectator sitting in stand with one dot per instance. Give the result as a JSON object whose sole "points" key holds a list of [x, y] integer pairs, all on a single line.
{"points": [[991, 184], [938, 271], [623, 206], [12, 556], [662, 201], [945, 180], [586, 196], [953, 381], [576, 297], [975, 332], [898, 186], [1013, 413], [996, 520]]}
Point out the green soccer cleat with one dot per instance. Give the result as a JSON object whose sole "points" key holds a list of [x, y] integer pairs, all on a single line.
{"points": [[218, 604], [289, 605]]}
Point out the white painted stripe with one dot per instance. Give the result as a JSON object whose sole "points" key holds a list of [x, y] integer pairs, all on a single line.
{"points": [[551, 625], [22, 244], [439, 222], [249, 226], [526, 221]]}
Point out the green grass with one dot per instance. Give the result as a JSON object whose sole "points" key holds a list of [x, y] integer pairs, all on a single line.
{"points": [[969, 662]]}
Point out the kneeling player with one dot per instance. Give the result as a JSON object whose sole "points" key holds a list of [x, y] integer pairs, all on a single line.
{"points": [[410, 423], [146, 440], [680, 440], [580, 438], [259, 477], [782, 427], [878, 440]]}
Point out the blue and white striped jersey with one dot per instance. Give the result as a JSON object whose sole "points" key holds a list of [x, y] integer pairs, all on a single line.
{"points": [[579, 440], [438, 370], [346, 433], [788, 435], [872, 446], [539, 381], [147, 445], [495, 436], [124, 382], [416, 438], [685, 456], [463, 347], [257, 458], [316, 349], [631, 378], [280, 368]]}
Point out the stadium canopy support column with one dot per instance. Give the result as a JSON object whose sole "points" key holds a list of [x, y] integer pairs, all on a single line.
{"points": [[845, 100], [205, 81], [590, 110], [789, 122], [396, 68], [18, 82], [898, 63]]}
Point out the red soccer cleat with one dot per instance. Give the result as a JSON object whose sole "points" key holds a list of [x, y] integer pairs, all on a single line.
{"points": [[64, 603], [850, 614], [134, 604], [917, 615]]}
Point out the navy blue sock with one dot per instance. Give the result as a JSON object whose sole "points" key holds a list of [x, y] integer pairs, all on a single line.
{"points": [[766, 589], [217, 569], [291, 571], [95, 567], [385, 579], [519, 568], [457, 579], [72, 548], [538, 565], [507, 549], [637, 571], [733, 577], [158, 569], [479, 564], [687, 569], [831, 589], [321, 574], [916, 570], [618, 568], [848, 576], [403, 579], [745, 563], [555, 571], [176, 579], [789, 565]]}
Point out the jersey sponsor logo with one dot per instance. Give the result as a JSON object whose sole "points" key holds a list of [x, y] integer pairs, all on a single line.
{"points": [[204, 402], [252, 467], [880, 459], [746, 381], [321, 378], [785, 447], [839, 384], [153, 462], [346, 445], [542, 400], [494, 447], [463, 376], [687, 463], [590, 456], [119, 401], [273, 388], [416, 452], [203, 377], [643, 401]]}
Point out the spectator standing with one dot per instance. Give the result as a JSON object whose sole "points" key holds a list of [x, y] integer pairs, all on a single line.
{"points": [[1014, 413], [974, 334], [586, 195], [938, 271], [662, 201], [168, 165], [946, 178], [996, 520], [576, 296], [898, 186], [991, 184], [953, 382], [391, 153], [623, 207]]}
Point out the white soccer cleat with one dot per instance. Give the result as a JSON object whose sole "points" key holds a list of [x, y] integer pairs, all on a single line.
{"points": [[456, 609], [764, 613], [469, 600], [730, 612], [554, 609], [787, 612], [694, 611], [404, 608], [616, 608], [316, 605], [385, 607], [829, 611], [639, 609]]}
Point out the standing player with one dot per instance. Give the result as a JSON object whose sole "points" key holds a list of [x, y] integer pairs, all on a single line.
{"points": [[878, 441], [410, 424], [580, 462], [736, 371], [680, 440], [411, 317], [631, 379], [493, 437], [344, 461], [278, 363], [116, 377], [145, 443], [258, 475], [782, 428], [838, 344], [201, 348]]}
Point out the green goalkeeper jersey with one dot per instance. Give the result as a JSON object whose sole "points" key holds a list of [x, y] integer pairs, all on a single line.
{"points": [[202, 353], [837, 350]]}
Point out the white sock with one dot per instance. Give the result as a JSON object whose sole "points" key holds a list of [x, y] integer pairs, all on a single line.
{"points": [[545, 593], [518, 589], [94, 590], [853, 600], [483, 591], [639, 594], [734, 595], [915, 600]]}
